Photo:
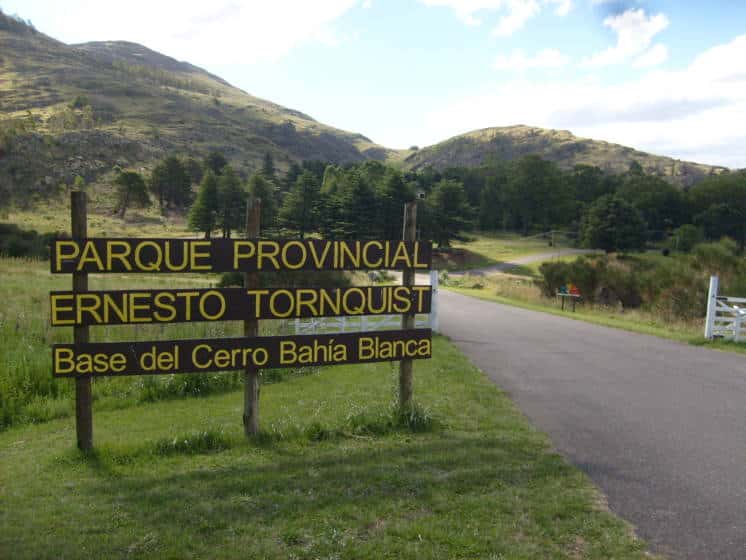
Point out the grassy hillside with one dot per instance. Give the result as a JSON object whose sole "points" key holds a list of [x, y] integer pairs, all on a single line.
{"points": [[560, 146], [68, 110]]}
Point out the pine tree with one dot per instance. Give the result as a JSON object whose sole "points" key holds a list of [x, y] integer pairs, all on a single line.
{"points": [[231, 201], [263, 188], [268, 166], [299, 210], [203, 214]]}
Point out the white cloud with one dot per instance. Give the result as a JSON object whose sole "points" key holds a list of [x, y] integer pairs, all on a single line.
{"points": [[205, 33], [519, 12], [634, 31], [518, 60], [563, 8], [513, 13], [696, 113], [654, 56]]}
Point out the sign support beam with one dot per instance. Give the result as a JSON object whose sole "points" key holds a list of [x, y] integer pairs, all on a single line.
{"points": [[251, 328], [408, 319], [83, 410]]}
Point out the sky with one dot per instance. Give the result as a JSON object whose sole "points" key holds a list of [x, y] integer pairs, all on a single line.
{"points": [[664, 76]]}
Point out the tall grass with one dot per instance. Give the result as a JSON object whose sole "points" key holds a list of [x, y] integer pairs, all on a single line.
{"points": [[29, 393]]}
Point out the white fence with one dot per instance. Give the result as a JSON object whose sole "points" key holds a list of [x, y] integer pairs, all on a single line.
{"points": [[358, 323], [726, 316]]}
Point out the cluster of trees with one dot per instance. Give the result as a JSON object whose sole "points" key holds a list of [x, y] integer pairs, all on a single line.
{"points": [[360, 201], [170, 183], [605, 211], [365, 200]]}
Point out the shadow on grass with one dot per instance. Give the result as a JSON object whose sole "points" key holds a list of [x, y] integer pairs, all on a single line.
{"points": [[370, 423], [407, 481]]}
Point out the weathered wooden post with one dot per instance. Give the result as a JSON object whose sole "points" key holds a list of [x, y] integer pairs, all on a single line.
{"points": [[408, 319], [251, 328], [83, 411]]}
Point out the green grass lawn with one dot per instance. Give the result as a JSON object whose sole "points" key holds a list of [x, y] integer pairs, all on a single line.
{"points": [[331, 477], [486, 249]]}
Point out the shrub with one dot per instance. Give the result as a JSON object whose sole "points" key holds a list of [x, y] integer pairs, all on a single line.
{"points": [[687, 236], [582, 272], [15, 242]]}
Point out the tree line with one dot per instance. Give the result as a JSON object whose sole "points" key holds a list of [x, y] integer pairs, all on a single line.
{"points": [[528, 195]]}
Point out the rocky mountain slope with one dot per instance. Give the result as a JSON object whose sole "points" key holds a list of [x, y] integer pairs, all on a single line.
{"points": [[81, 110], [68, 110], [560, 146]]}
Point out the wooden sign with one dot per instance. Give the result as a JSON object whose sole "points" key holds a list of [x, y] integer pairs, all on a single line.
{"points": [[117, 307], [234, 255], [182, 356], [81, 308]]}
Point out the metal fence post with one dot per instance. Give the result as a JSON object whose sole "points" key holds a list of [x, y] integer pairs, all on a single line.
{"points": [[434, 280], [712, 298]]}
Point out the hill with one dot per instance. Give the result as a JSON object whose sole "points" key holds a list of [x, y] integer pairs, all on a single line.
{"points": [[560, 146], [68, 110], [81, 110]]}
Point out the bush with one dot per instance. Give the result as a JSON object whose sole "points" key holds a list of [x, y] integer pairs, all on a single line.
{"points": [[686, 237], [15, 242], [582, 272]]}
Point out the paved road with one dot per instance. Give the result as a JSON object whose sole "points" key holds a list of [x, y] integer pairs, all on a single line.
{"points": [[658, 425]]}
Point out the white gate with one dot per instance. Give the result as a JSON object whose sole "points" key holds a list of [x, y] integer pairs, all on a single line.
{"points": [[359, 323], [726, 316]]}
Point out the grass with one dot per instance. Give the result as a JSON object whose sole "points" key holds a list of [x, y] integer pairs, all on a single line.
{"points": [[101, 221], [486, 249], [334, 474], [520, 292], [28, 393]]}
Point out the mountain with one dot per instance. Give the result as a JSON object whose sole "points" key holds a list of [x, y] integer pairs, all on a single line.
{"points": [[81, 110], [560, 146], [68, 110]]}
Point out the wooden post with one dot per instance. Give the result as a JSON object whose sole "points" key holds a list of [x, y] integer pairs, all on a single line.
{"points": [[83, 411], [251, 328], [408, 319]]}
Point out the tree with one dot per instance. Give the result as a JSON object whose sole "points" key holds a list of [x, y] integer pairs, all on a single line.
{"points": [[203, 215], [291, 177], [719, 204], [448, 211], [687, 236], [537, 195], [391, 195], [356, 204], [299, 209], [724, 220], [215, 161], [195, 170], [661, 204], [171, 183], [268, 166], [262, 187], [613, 224], [131, 191], [231, 201]]}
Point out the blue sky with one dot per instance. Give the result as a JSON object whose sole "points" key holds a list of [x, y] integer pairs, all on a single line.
{"points": [[663, 76]]}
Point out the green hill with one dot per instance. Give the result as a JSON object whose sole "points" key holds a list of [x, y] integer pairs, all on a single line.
{"points": [[80, 110], [560, 146], [68, 110]]}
